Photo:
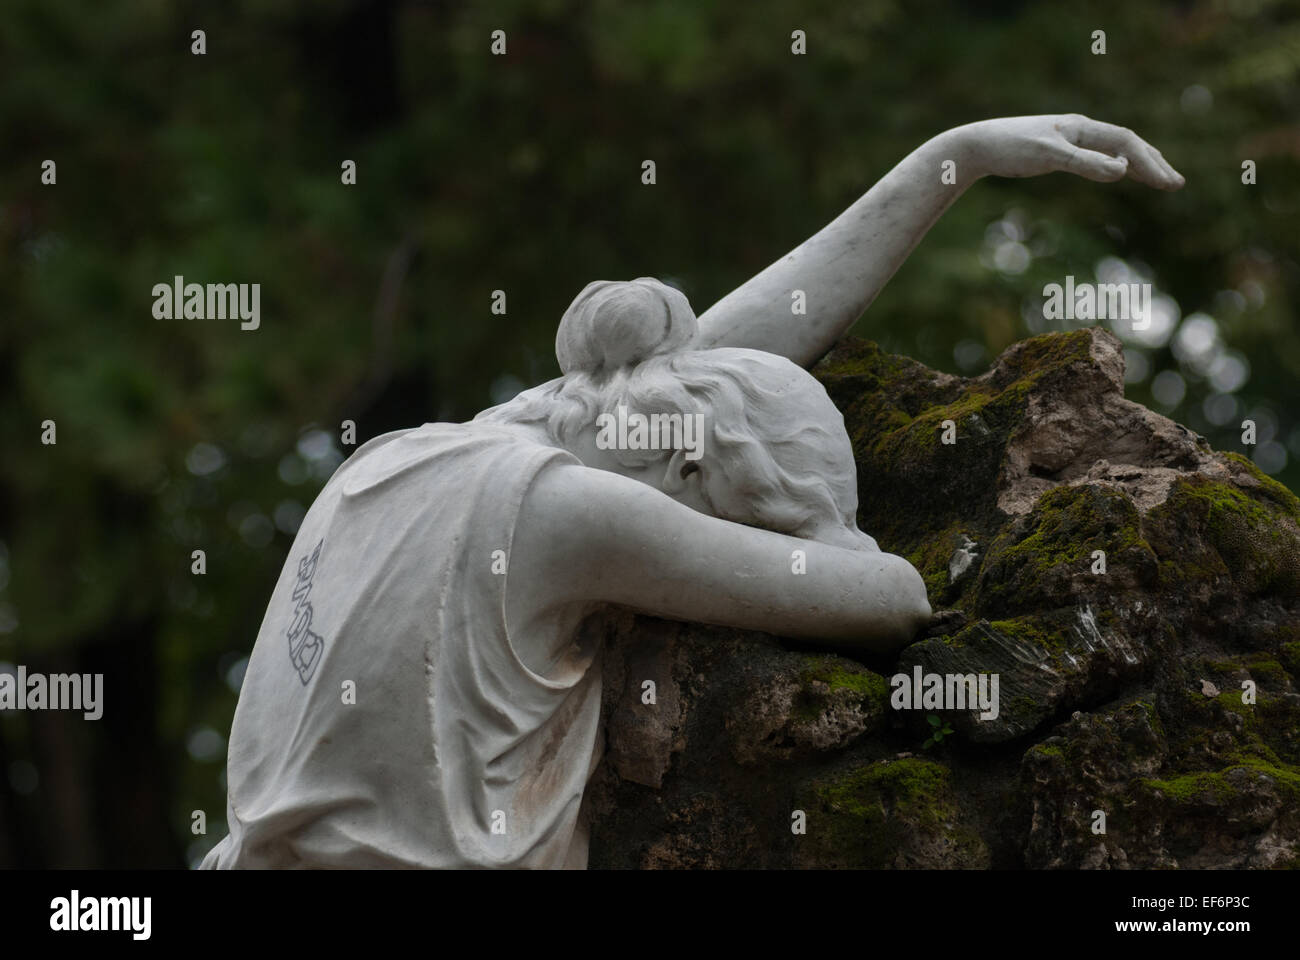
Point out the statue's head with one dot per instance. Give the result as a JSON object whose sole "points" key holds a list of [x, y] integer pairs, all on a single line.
{"points": [[613, 324], [759, 441], [743, 435]]}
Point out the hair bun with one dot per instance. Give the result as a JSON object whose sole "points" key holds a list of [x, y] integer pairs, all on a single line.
{"points": [[612, 324]]}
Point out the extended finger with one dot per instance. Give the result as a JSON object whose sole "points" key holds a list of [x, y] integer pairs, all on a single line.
{"points": [[1174, 179], [1145, 164]]}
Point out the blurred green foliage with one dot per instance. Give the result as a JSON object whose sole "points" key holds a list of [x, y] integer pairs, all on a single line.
{"points": [[520, 173]]}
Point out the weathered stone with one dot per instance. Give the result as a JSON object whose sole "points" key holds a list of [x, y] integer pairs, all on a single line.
{"points": [[1122, 579]]}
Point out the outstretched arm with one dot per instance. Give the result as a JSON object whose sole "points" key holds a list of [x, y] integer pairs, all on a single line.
{"points": [[593, 535], [845, 265]]}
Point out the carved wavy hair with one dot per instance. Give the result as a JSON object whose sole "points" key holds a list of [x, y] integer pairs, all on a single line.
{"points": [[772, 437], [773, 440], [613, 324]]}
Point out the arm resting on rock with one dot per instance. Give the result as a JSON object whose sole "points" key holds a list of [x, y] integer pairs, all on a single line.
{"points": [[597, 536]]}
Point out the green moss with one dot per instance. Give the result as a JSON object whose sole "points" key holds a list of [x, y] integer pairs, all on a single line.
{"points": [[1022, 706], [1048, 750], [1226, 502], [1276, 493], [1268, 730], [1286, 776], [1263, 669], [1215, 787], [1075, 521], [932, 557], [825, 676], [1039, 632], [971, 414], [1279, 726], [863, 359], [1252, 546], [913, 788], [1153, 715], [873, 815], [1030, 564], [837, 674], [1048, 352], [1182, 573], [1253, 751], [894, 409], [1289, 653], [991, 409], [1195, 788], [1231, 700]]}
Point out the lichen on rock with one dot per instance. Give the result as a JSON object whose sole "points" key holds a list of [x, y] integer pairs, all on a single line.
{"points": [[1101, 559]]}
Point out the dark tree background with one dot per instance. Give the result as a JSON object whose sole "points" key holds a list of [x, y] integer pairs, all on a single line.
{"points": [[519, 173]]}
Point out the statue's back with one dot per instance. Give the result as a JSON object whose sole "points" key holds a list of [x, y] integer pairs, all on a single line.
{"points": [[386, 718]]}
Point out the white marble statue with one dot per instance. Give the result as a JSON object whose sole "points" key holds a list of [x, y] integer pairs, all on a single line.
{"points": [[423, 692]]}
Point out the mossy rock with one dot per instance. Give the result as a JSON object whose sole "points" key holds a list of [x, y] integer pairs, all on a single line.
{"points": [[1078, 542], [893, 814], [806, 705], [1100, 671], [1043, 662], [1245, 538]]}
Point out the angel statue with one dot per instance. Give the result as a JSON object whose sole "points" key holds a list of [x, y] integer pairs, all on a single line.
{"points": [[425, 688]]}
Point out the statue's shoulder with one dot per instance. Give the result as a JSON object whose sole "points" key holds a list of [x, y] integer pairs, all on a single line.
{"points": [[434, 436], [456, 451]]}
